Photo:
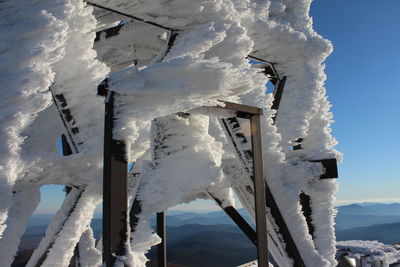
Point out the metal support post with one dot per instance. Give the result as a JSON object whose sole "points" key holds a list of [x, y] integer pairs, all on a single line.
{"points": [[115, 194], [259, 192], [162, 247]]}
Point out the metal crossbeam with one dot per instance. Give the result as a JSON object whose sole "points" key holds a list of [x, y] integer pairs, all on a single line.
{"points": [[238, 220], [291, 248]]}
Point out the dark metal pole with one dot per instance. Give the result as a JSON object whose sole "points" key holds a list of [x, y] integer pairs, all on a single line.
{"points": [[305, 203], [259, 192], [115, 194], [278, 96], [238, 220], [162, 247]]}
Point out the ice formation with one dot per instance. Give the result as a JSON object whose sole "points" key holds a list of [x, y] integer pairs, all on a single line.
{"points": [[370, 253], [49, 67]]}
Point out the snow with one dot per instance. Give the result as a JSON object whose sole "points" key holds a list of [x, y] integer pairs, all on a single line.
{"points": [[40, 38], [370, 252], [40, 44], [182, 169], [160, 92]]}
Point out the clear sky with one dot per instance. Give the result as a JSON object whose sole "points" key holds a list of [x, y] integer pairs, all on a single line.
{"points": [[363, 87]]}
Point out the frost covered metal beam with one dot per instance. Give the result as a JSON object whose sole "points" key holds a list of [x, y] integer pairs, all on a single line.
{"points": [[67, 119], [270, 202], [330, 166], [259, 191], [279, 85], [130, 42], [238, 220], [59, 222], [114, 45], [56, 227], [129, 16], [243, 111], [162, 233], [115, 193], [253, 113]]}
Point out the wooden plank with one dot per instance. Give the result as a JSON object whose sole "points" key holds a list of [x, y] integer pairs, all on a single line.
{"points": [[115, 193], [259, 192]]}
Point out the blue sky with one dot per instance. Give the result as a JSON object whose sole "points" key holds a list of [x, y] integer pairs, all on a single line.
{"points": [[363, 87]]}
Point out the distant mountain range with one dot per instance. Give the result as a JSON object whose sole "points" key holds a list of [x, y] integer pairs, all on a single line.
{"points": [[211, 239], [388, 233], [207, 245], [377, 209], [369, 221]]}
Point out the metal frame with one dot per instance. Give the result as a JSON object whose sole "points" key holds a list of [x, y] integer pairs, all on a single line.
{"points": [[254, 113], [115, 204], [115, 197], [262, 194]]}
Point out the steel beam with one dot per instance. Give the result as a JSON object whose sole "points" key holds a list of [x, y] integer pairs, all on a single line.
{"points": [[330, 166], [115, 193], [278, 96], [270, 202], [162, 247], [249, 110], [259, 192], [305, 203], [238, 220]]}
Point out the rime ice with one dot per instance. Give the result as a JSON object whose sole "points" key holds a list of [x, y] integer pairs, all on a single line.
{"points": [[48, 59]]}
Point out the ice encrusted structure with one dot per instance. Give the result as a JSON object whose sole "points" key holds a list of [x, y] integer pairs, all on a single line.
{"points": [[47, 44], [372, 253], [48, 51]]}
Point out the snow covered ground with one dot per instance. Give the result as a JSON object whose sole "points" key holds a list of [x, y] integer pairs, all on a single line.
{"points": [[370, 253]]}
